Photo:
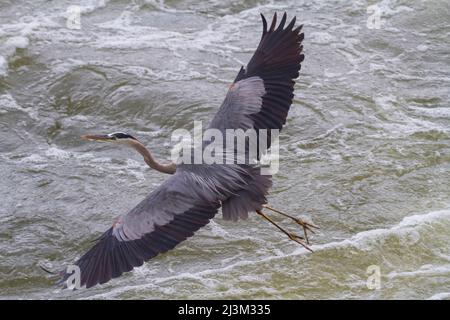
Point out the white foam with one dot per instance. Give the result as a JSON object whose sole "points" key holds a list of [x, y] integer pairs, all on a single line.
{"points": [[3, 66], [56, 153], [405, 230], [42, 158], [400, 124], [8, 49], [122, 22], [214, 38], [321, 38], [438, 112], [425, 270], [86, 6], [60, 66], [9, 104], [360, 241], [34, 159], [17, 42], [183, 73], [93, 5], [440, 296], [17, 37], [422, 48], [389, 8], [217, 230]]}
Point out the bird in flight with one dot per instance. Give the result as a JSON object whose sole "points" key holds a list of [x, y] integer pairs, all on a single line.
{"points": [[258, 99]]}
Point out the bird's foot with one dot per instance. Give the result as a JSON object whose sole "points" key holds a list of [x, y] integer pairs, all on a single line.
{"points": [[305, 225], [300, 240]]}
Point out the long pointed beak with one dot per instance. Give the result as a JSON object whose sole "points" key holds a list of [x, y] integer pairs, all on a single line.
{"points": [[97, 137]]}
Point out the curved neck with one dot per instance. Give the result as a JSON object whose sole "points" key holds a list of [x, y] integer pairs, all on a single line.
{"points": [[169, 168]]}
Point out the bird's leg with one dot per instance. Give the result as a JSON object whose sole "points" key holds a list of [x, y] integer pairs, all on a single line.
{"points": [[291, 236], [305, 225]]}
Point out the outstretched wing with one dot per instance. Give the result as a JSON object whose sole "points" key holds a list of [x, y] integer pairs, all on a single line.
{"points": [[260, 98], [262, 94], [166, 217]]}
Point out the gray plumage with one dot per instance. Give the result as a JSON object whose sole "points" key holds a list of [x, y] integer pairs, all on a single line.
{"points": [[259, 98]]}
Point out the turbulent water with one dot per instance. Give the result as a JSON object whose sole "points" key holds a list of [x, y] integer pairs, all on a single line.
{"points": [[365, 153]]}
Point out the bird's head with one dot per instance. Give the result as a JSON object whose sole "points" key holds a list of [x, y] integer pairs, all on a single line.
{"points": [[117, 137], [130, 141]]}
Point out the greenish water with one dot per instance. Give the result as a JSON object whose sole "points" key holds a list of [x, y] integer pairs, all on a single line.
{"points": [[365, 153]]}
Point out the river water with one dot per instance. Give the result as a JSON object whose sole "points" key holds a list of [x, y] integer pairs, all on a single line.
{"points": [[365, 153]]}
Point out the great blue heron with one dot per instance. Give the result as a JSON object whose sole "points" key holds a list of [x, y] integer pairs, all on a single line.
{"points": [[259, 98]]}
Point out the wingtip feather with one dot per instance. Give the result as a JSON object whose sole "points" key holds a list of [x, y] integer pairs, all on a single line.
{"points": [[291, 24], [264, 21], [282, 23], [274, 22]]}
